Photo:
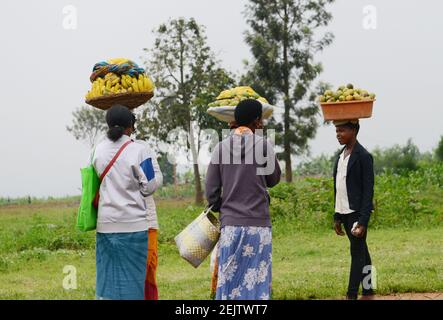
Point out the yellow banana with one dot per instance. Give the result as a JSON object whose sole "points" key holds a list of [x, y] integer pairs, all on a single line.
{"points": [[135, 85], [141, 85], [109, 76], [124, 83], [118, 61], [115, 81], [146, 84], [101, 90], [149, 84]]}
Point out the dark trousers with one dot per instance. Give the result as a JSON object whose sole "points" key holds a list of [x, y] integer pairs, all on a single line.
{"points": [[360, 258]]}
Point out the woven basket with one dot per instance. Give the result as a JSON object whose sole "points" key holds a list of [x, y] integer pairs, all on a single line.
{"points": [[199, 238], [347, 110], [130, 100], [227, 114]]}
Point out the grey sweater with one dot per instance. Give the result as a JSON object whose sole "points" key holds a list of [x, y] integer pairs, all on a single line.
{"points": [[241, 168]]}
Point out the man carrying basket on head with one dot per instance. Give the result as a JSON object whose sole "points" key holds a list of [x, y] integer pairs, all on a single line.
{"points": [[354, 191]]}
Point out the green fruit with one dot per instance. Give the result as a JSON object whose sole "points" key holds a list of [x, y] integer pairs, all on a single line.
{"points": [[350, 86], [342, 98], [224, 102], [328, 93], [372, 96], [349, 98], [322, 99], [331, 100], [349, 92], [357, 97], [339, 92], [342, 88]]}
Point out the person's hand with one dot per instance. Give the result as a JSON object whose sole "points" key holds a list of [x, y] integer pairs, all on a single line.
{"points": [[359, 231], [338, 229]]}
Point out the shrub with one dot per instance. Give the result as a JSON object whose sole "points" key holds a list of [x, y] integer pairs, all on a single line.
{"points": [[411, 199], [397, 159], [439, 150]]}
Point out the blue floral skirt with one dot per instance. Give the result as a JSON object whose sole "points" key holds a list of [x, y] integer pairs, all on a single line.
{"points": [[244, 263], [121, 265]]}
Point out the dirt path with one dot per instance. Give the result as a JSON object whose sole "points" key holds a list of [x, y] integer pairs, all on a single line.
{"points": [[412, 296]]}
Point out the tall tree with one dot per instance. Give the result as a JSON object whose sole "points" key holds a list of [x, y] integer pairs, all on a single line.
{"points": [[88, 124], [283, 43], [187, 77], [167, 169], [439, 150]]}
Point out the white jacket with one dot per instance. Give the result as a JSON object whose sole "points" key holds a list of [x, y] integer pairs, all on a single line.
{"points": [[126, 203]]}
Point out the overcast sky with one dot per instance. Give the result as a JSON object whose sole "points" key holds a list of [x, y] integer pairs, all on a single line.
{"points": [[45, 70]]}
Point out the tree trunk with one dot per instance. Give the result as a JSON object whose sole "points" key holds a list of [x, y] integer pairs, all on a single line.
{"points": [[194, 153], [174, 174], [287, 118], [198, 186], [287, 144]]}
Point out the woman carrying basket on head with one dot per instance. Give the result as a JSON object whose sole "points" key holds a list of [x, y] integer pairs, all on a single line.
{"points": [[241, 168], [122, 222]]}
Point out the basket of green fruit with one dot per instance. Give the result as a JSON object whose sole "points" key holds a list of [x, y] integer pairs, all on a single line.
{"points": [[347, 103]]}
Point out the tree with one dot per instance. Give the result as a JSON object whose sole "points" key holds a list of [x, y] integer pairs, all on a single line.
{"points": [[167, 169], [439, 151], [88, 124], [187, 78], [397, 159], [283, 46]]}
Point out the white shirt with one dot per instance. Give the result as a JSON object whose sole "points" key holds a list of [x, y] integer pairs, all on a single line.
{"points": [[126, 203], [341, 198]]}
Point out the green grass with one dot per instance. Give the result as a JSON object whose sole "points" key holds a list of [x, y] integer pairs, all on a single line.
{"points": [[38, 241]]}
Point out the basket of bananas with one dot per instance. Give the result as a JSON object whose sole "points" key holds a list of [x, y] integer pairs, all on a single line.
{"points": [[119, 81], [346, 103], [224, 107]]}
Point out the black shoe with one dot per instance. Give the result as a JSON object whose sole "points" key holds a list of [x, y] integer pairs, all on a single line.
{"points": [[368, 293], [351, 297]]}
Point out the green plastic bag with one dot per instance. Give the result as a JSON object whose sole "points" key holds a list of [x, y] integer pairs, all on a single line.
{"points": [[87, 213]]}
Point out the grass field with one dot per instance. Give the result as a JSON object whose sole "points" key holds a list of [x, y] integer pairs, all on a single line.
{"points": [[38, 241]]}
